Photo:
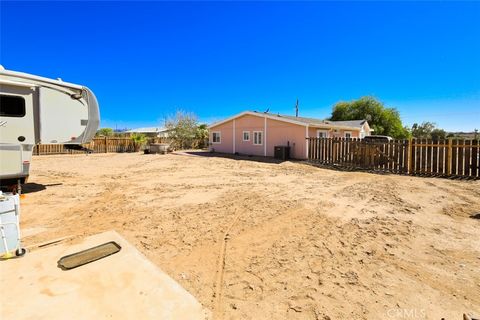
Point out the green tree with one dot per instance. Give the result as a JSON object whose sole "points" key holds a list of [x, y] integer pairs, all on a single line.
{"points": [[138, 140], [201, 136], [384, 121], [183, 129], [438, 134], [105, 132], [428, 130]]}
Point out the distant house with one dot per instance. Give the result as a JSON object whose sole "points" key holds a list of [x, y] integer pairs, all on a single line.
{"points": [[153, 132], [257, 133]]}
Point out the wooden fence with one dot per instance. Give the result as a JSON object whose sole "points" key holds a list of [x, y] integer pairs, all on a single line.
{"points": [[453, 157], [97, 145]]}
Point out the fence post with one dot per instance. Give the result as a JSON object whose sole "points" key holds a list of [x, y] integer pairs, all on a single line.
{"points": [[449, 157], [409, 156], [105, 141], [308, 143]]}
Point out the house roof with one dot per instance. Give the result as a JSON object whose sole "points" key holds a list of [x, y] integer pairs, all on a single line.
{"points": [[352, 124], [314, 121], [147, 130]]}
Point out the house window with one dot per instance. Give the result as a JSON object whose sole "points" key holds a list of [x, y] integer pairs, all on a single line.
{"points": [[257, 137], [348, 134], [246, 135], [322, 134], [12, 106], [216, 137]]}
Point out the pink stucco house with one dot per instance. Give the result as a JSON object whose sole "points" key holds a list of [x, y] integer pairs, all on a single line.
{"points": [[257, 133]]}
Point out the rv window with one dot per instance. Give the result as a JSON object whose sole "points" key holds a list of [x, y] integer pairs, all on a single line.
{"points": [[12, 106]]}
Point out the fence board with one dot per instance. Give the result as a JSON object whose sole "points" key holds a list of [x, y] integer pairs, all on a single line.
{"points": [[466, 163], [441, 157], [397, 161], [435, 157], [406, 147], [454, 157], [418, 149], [460, 155], [451, 157], [475, 159], [97, 145]]}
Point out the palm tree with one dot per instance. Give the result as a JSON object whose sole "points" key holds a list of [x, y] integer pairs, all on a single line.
{"points": [[138, 140], [201, 135]]}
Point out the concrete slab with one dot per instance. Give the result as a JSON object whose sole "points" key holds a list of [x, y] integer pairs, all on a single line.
{"points": [[125, 285]]}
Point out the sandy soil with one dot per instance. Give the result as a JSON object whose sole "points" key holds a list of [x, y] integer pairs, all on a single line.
{"points": [[257, 240]]}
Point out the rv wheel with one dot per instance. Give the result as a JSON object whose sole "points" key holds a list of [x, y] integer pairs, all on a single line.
{"points": [[20, 252]]}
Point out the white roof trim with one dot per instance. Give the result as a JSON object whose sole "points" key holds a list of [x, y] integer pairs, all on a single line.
{"points": [[148, 130], [366, 125], [264, 115], [332, 125], [16, 83], [258, 114], [37, 80]]}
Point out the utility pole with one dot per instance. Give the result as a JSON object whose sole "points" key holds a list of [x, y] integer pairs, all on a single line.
{"points": [[296, 109]]}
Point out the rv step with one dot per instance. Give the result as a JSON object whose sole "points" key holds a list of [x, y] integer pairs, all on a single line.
{"points": [[81, 258]]}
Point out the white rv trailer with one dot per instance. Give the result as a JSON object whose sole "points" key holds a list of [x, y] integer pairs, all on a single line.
{"points": [[36, 110]]}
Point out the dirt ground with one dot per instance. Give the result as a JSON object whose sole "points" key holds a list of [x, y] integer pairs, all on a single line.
{"points": [[263, 240]]}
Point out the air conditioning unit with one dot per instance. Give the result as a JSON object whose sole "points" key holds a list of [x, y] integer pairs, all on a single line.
{"points": [[282, 152]]}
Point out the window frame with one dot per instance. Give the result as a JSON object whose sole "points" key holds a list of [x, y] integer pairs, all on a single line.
{"points": [[261, 135], [243, 135], [323, 131], [347, 132], [11, 115], [219, 134]]}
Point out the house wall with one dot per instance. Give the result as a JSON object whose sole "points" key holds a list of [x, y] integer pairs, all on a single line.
{"points": [[312, 133], [226, 143], [280, 133], [249, 123], [277, 133]]}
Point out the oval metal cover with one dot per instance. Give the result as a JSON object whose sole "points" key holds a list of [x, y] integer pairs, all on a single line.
{"points": [[81, 258]]}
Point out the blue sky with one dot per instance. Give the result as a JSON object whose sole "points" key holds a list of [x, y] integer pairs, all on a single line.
{"points": [[144, 60]]}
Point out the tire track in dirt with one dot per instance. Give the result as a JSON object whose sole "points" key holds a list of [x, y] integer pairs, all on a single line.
{"points": [[306, 239]]}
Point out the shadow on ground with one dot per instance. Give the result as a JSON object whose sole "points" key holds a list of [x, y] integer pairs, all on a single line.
{"points": [[475, 216], [353, 168], [209, 154], [36, 187]]}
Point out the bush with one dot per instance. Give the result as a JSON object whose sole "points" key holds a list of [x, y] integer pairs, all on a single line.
{"points": [[139, 140], [185, 132], [105, 132]]}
